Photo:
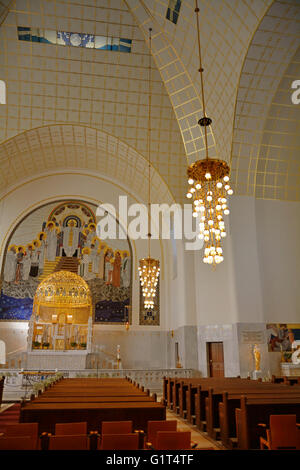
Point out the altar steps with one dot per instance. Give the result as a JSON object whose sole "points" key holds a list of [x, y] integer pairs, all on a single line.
{"points": [[49, 268], [67, 264]]}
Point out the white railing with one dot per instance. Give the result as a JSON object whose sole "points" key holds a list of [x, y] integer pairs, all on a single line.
{"points": [[150, 379]]}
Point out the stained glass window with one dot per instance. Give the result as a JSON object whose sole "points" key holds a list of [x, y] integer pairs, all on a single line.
{"points": [[173, 10], [101, 42], [64, 38]]}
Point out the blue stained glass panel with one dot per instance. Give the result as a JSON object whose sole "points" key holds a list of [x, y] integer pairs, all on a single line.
{"points": [[173, 10], [115, 42], [125, 45], [24, 34], [88, 40], [63, 38]]}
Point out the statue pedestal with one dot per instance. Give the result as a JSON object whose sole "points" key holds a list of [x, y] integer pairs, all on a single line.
{"points": [[60, 360], [257, 374]]}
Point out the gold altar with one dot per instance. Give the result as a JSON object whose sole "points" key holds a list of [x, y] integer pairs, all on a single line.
{"points": [[62, 313]]}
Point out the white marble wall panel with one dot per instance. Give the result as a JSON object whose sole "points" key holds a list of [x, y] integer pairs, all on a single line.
{"points": [[219, 333], [247, 362]]}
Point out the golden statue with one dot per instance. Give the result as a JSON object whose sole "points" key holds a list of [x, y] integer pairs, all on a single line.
{"points": [[256, 352]]}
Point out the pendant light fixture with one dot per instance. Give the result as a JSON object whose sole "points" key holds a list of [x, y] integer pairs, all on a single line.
{"points": [[209, 187], [149, 267]]}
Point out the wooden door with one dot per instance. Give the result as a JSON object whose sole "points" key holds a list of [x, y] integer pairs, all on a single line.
{"points": [[215, 356]]}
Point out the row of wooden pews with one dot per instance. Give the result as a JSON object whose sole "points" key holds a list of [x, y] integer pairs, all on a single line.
{"points": [[93, 401], [231, 408]]}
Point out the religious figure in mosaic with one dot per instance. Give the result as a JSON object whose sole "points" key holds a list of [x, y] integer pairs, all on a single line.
{"points": [[10, 264]]}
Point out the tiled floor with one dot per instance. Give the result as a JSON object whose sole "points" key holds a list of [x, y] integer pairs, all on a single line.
{"points": [[196, 436]]}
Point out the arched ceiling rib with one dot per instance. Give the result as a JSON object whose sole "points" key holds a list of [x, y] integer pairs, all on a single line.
{"points": [[70, 147], [265, 151], [5, 5], [182, 92], [227, 27]]}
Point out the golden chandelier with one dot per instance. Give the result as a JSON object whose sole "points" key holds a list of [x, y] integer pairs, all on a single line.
{"points": [[149, 272], [209, 187], [149, 267]]}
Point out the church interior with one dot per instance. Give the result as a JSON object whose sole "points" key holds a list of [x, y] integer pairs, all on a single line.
{"points": [[149, 254]]}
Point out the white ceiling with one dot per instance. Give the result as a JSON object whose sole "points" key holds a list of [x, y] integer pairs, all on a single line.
{"points": [[67, 148], [247, 47], [266, 151]]}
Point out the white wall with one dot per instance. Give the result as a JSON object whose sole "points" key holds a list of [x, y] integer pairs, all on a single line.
{"points": [[278, 243], [257, 283]]}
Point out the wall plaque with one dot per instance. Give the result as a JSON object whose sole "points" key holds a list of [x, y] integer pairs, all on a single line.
{"points": [[252, 337]]}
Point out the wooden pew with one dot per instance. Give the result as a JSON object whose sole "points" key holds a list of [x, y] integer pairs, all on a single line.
{"points": [[176, 387], [206, 413], [48, 414], [188, 390], [196, 394], [258, 410], [93, 401], [231, 401], [102, 399]]}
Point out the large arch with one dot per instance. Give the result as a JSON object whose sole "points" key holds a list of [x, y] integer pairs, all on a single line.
{"points": [[50, 149], [265, 148]]}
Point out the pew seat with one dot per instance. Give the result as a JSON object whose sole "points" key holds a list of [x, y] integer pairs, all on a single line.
{"points": [[173, 440], [119, 441], [155, 426], [63, 429], [282, 434], [18, 443], [116, 427], [69, 442]]}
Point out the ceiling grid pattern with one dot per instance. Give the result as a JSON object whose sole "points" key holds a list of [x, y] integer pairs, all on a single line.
{"points": [[265, 150], [226, 29], [50, 84], [60, 148], [249, 50]]}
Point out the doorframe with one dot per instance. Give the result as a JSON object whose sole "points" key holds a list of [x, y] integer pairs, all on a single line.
{"points": [[208, 356]]}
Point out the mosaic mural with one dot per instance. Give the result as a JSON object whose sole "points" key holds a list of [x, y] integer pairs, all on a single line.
{"points": [[65, 236], [281, 336]]}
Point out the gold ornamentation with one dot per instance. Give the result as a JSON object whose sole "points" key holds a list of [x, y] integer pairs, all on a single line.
{"points": [[256, 352], [209, 188], [217, 169], [63, 288], [43, 235], [209, 179], [149, 272]]}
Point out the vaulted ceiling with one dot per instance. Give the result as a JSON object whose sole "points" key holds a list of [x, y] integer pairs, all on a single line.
{"points": [[249, 50]]}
